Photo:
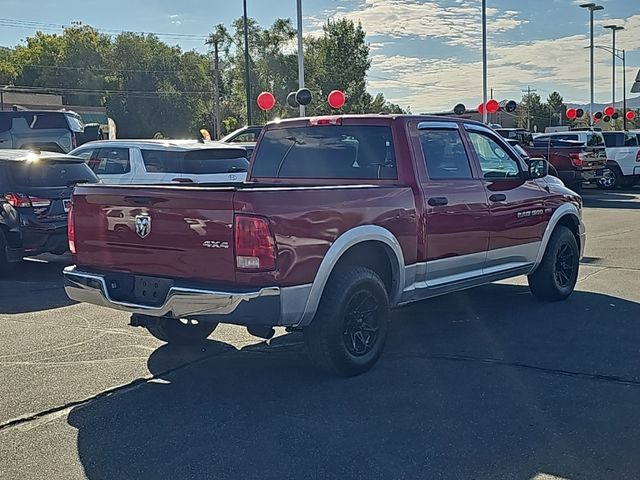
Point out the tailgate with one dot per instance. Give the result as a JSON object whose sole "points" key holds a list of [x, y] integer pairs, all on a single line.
{"points": [[177, 232], [593, 158]]}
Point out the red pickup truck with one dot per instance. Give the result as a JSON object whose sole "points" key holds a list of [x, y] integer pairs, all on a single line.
{"points": [[341, 219]]}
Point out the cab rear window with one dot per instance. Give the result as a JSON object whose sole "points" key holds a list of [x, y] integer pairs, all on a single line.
{"points": [[50, 173], [326, 152]]}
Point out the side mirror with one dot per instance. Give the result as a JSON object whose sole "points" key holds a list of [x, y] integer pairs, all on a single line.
{"points": [[538, 168]]}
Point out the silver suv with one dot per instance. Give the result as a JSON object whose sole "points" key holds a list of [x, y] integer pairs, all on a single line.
{"points": [[43, 130]]}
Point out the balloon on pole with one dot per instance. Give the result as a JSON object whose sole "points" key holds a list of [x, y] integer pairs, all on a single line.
{"points": [[630, 115], [571, 113], [493, 106], [459, 109], [266, 101], [336, 99], [481, 108], [609, 110]]}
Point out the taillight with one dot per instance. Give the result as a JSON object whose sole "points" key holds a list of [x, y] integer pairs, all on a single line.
{"points": [[576, 159], [255, 245], [71, 230], [20, 200], [638, 156]]}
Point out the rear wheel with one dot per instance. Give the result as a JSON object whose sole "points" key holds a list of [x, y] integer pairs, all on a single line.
{"points": [[349, 330], [179, 331], [556, 276], [5, 265], [610, 179]]}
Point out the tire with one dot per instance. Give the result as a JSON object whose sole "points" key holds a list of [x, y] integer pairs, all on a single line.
{"points": [[556, 276], [6, 267], [176, 332], [349, 330], [610, 179]]}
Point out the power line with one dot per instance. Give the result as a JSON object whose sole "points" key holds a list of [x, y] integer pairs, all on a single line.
{"points": [[29, 25], [82, 91]]}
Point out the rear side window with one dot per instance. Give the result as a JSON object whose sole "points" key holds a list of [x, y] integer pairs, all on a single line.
{"points": [[43, 121], [195, 162], [326, 152], [5, 123], [444, 154], [566, 137], [110, 161], [613, 139], [75, 123], [630, 140], [51, 173], [246, 137]]}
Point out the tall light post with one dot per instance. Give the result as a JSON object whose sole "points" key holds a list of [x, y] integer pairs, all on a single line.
{"points": [[300, 54], [592, 7], [247, 75], [614, 29], [484, 61]]}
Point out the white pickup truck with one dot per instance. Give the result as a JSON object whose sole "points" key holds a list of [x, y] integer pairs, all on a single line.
{"points": [[623, 160], [138, 162]]}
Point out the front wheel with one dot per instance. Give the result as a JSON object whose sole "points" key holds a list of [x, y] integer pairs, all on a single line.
{"points": [[179, 331], [349, 330], [556, 276]]}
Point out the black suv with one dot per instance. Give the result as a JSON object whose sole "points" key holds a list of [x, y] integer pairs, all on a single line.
{"points": [[35, 196]]}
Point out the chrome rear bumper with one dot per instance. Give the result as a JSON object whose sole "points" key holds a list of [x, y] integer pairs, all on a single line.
{"points": [[259, 307]]}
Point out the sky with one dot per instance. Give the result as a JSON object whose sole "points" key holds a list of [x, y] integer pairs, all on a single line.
{"points": [[426, 55]]}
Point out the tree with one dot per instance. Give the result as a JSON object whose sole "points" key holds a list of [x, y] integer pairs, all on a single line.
{"points": [[556, 106]]}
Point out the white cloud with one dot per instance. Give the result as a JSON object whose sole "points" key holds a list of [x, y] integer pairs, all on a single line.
{"points": [[458, 24], [560, 63]]}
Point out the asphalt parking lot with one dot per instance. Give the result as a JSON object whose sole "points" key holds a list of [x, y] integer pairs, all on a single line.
{"points": [[483, 384]]}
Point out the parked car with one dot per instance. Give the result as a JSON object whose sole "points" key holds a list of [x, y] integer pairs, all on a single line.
{"points": [[623, 160], [53, 131], [521, 135], [161, 161], [35, 198], [246, 137], [524, 155], [342, 219], [577, 156]]}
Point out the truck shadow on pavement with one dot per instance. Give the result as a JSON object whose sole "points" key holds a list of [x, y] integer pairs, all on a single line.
{"points": [[34, 285], [623, 199], [483, 384]]}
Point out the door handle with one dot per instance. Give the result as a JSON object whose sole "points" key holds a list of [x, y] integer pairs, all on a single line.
{"points": [[438, 201], [182, 180], [498, 197]]}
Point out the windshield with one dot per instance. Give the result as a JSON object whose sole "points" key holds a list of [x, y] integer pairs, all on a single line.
{"points": [[330, 152]]}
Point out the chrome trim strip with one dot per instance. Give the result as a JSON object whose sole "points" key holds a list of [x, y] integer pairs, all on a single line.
{"points": [[509, 257], [429, 125], [180, 302], [363, 233]]}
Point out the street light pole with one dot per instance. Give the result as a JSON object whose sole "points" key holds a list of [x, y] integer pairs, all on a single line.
{"points": [[247, 75], [484, 61], [300, 55], [614, 29], [592, 8], [624, 89]]}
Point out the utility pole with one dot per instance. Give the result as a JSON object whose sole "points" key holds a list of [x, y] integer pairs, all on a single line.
{"points": [[592, 7], [529, 91], [300, 54], [614, 54], [247, 74], [216, 39]]}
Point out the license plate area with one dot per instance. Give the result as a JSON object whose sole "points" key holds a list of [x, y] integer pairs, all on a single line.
{"points": [[150, 291]]}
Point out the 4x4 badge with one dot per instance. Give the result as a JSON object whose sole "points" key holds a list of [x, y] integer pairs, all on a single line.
{"points": [[143, 225]]}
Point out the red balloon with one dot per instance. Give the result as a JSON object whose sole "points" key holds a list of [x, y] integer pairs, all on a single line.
{"points": [[266, 101], [609, 110], [595, 120], [631, 115], [336, 99], [571, 113], [493, 106], [481, 109]]}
